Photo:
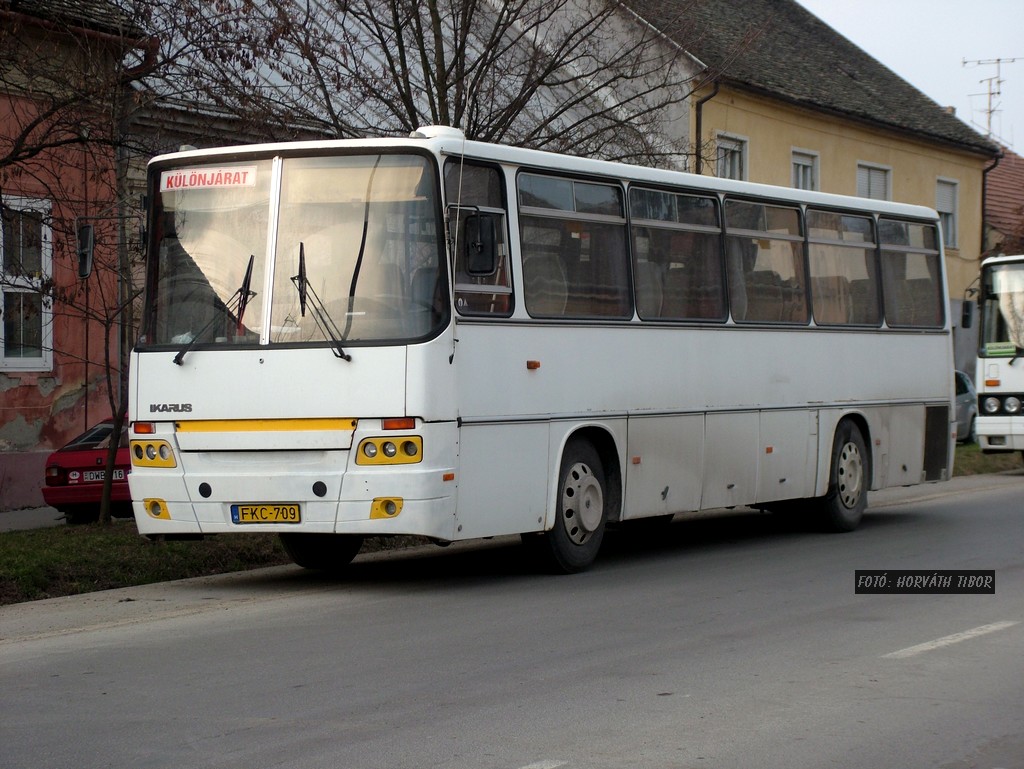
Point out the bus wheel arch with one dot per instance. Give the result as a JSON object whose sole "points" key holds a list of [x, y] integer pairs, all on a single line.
{"points": [[604, 443], [588, 494], [849, 478]]}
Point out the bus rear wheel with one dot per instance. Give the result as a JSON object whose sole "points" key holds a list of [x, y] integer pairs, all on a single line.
{"points": [[322, 552], [847, 495], [573, 542]]}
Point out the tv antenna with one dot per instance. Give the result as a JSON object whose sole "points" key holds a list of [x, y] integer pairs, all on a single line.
{"points": [[994, 85]]}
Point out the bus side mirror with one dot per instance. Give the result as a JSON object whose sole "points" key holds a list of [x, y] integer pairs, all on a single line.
{"points": [[967, 314], [86, 241], [480, 245]]}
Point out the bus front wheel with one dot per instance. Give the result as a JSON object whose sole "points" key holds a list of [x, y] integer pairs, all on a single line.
{"points": [[847, 495], [322, 552], [572, 543]]}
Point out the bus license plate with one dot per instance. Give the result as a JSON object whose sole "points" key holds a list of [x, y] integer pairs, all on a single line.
{"points": [[266, 512]]}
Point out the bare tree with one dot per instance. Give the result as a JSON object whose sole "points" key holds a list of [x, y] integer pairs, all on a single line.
{"points": [[67, 73], [581, 76]]}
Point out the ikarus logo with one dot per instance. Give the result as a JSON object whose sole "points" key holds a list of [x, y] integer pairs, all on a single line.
{"points": [[164, 408]]}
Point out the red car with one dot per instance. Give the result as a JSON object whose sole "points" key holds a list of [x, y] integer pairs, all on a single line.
{"points": [[74, 476]]}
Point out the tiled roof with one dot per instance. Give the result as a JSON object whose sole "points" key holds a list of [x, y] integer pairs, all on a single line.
{"points": [[778, 48], [100, 15], [1004, 194]]}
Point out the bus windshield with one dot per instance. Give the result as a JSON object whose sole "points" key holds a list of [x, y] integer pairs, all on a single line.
{"points": [[229, 238], [1003, 311]]}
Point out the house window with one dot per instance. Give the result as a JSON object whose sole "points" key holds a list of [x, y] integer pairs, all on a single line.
{"points": [[805, 170], [873, 181], [946, 200], [732, 157], [26, 249]]}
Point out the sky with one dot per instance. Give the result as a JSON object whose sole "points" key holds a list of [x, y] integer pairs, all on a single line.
{"points": [[926, 42]]}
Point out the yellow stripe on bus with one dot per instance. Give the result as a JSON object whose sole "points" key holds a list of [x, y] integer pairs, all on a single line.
{"points": [[263, 425]]}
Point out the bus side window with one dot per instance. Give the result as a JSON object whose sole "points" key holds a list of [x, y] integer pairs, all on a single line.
{"points": [[911, 274], [843, 269], [476, 205], [483, 281], [764, 251]]}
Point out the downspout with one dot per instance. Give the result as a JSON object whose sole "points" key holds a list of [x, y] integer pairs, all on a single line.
{"points": [[698, 166], [984, 200]]}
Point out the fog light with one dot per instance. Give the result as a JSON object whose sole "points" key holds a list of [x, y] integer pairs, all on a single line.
{"points": [[370, 450], [165, 452], [137, 451], [156, 508], [386, 507], [409, 449]]}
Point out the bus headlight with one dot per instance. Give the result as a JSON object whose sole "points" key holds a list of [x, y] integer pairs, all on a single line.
{"points": [[991, 405], [1012, 405], [370, 450], [389, 449]]}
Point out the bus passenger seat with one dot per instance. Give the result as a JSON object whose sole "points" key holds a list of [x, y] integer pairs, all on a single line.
{"points": [[649, 289], [545, 285], [424, 286], [677, 294], [831, 299]]}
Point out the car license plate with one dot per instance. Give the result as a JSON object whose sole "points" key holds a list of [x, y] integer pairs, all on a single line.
{"points": [[95, 476], [266, 512]]}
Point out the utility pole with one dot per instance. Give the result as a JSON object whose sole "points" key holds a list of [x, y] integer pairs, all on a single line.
{"points": [[994, 86]]}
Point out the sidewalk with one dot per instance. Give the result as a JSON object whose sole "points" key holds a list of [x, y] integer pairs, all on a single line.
{"points": [[30, 518]]}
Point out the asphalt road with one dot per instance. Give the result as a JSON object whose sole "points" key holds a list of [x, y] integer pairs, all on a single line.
{"points": [[730, 641]]}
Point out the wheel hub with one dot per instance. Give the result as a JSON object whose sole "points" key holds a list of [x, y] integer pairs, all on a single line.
{"points": [[850, 476], [582, 503]]}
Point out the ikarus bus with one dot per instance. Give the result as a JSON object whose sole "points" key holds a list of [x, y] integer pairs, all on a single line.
{"points": [[453, 339]]}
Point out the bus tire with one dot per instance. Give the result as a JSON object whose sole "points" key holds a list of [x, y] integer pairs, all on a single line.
{"points": [[847, 495], [580, 512], [322, 552]]}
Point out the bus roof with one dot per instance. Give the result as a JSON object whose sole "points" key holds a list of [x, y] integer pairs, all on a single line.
{"points": [[444, 140], [1002, 259]]}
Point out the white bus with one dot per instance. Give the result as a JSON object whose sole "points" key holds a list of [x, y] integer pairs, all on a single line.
{"points": [[454, 339], [1000, 373]]}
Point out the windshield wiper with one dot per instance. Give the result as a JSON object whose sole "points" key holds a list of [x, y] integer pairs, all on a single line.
{"points": [[234, 306], [244, 294], [321, 317]]}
